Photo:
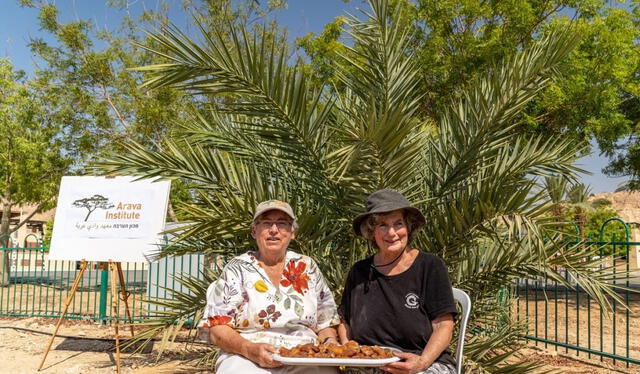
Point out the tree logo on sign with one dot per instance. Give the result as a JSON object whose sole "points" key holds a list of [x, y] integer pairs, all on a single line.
{"points": [[92, 203]]}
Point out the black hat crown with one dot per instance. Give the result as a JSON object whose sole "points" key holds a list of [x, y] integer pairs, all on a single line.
{"points": [[385, 201]]}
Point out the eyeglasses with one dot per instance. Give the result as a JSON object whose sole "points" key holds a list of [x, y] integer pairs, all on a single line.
{"points": [[384, 228], [281, 225]]}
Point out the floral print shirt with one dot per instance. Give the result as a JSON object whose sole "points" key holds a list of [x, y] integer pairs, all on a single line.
{"points": [[287, 315]]}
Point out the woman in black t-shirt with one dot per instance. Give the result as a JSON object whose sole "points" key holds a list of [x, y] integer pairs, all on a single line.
{"points": [[400, 297]]}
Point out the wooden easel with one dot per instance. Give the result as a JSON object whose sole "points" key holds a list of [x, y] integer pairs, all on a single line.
{"points": [[115, 268]]}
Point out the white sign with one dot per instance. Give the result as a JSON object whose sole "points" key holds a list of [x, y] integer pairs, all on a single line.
{"points": [[102, 219]]}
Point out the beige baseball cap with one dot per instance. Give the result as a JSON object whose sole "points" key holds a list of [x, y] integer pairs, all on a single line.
{"points": [[274, 205]]}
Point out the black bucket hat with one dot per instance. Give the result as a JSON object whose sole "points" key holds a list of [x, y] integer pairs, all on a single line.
{"points": [[385, 201]]}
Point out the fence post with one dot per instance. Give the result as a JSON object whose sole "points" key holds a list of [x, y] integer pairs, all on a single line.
{"points": [[104, 288]]}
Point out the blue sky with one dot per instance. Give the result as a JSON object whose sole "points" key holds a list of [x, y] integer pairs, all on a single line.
{"points": [[18, 25]]}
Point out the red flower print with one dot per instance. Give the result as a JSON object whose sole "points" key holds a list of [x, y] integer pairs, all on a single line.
{"points": [[295, 276], [268, 314], [217, 320]]}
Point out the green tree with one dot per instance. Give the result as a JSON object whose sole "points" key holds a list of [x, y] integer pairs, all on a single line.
{"points": [[31, 154], [85, 78], [592, 228], [85, 81], [597, 96], [612, 231], [279, 132], [572, 210]]}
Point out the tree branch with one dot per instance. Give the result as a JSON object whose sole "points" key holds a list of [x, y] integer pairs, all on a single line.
{"points": [[107, 98]]}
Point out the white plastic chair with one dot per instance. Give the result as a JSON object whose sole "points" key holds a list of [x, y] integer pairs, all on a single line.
{"points": [[465, 303]]}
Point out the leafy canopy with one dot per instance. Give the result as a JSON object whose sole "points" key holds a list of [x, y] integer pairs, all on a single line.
{"points": [[456, 41], [31, 146]]}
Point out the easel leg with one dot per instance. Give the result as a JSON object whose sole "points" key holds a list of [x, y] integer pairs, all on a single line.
{"points": [[114, 305], [124, 296], [74, 287]]}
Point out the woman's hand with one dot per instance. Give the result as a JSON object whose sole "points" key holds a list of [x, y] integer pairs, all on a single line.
{"points": [[438, 342], [262, 354], [330, 339], [344, 333], [328, 335], [412, 364]]}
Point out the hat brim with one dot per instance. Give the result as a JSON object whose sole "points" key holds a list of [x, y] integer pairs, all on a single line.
{"points": [[415, 212]]}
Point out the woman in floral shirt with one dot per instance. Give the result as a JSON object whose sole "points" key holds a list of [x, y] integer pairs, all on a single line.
{"points": [[267, 299]]}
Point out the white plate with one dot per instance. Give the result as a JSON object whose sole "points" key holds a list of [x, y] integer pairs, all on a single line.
{"points": [[361, 362]]}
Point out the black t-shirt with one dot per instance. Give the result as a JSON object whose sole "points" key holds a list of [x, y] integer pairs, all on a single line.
{"points": [[396, 311]]}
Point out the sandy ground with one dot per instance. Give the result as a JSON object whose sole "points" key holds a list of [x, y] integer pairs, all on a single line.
{"points": [[570, 364], [23, 342], [584, 325]]}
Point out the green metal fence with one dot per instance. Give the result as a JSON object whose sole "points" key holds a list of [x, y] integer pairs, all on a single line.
{"points": [[38, 287], [570, 320]]}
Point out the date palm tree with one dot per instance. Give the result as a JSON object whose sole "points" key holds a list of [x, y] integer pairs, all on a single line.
{"points": [[569, 198], [556, 187], [578, 197], [266, 129]]}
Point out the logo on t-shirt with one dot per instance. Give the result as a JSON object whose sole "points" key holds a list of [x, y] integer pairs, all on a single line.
{"points": [[411, 301]]}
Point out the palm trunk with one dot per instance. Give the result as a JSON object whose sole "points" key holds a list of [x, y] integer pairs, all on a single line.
{"points": [[558, 213], [581, 218]]}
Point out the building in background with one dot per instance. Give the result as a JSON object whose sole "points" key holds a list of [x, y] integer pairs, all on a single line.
{"points": [[31, 233]]}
